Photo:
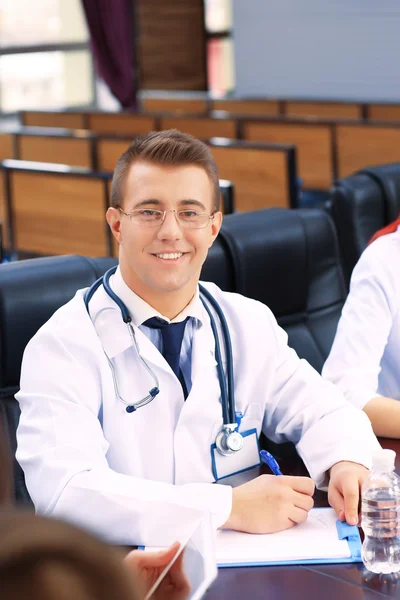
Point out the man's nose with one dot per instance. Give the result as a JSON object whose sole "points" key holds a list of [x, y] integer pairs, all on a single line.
{"points": [[170, 227]]}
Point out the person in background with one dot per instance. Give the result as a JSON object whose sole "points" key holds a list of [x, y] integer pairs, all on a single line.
{"points": [[100, 450], [364, 362]]}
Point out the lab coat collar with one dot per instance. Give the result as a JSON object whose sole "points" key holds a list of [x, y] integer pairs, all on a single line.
{"points": [[115, 337], [140, 311]]}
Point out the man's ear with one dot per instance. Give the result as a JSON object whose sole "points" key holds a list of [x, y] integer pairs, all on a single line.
{"points": [[215, 226], [113, 217]]}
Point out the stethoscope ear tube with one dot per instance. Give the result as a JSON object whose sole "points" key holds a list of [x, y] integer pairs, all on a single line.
{"points": [[220, 370], [230, 395]]}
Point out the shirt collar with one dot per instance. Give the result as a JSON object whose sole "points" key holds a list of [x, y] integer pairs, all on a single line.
{"points": [[140, 311]]}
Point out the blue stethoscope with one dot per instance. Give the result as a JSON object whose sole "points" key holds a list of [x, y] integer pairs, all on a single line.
{"points": [[228, 440]]}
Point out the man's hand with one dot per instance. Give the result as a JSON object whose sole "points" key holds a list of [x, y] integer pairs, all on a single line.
{"points": [[345, 483], [270, 503], [148, 566]]}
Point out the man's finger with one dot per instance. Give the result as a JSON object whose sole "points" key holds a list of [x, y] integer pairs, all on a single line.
{"points": [[351, 494], [336, 500], [144, 559], [304, 485], [298, 515], [303, 501]]}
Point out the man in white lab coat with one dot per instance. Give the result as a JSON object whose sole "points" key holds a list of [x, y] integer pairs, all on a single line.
{"points": [[88, 460]]}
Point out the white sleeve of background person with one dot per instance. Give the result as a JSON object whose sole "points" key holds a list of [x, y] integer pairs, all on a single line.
{"points": [[354, 363]]}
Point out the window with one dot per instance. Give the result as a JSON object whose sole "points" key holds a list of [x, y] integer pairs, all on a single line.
{"points": [[45, 61], [220, 59]]}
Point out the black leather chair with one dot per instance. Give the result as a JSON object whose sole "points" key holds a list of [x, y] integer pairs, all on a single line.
{"points": [[30, 292], [361, 205], [287, 259]]}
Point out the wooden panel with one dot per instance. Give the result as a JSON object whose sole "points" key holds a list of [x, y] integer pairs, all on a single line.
{"points": [[55, 213], [384, 112], [259, 176], [122, 124], [328, 110], [6, 145], [68, 151], [247, 107], [171, 46], [175, 105], [201, 128], [108, 152], [54, 119], [3, 211], [366, 146], [313, 143]]}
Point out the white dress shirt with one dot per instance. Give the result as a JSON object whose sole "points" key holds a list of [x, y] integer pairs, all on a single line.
{"points": [[140, 311], [364, 361]]}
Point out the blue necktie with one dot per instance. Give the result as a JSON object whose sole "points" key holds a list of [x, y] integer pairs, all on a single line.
{"points": [[172, 336]]}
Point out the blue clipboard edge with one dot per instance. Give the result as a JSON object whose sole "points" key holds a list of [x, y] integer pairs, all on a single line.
{"points": [[344, 530]]}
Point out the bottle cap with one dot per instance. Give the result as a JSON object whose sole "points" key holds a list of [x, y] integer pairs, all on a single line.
{"points": [[383, 460]]}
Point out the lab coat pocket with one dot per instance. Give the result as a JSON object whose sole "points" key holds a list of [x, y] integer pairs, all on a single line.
{"points": [[250, 418], [246, 458]]}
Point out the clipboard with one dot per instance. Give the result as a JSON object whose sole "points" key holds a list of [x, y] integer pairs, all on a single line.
{"points": [[321, 539]]}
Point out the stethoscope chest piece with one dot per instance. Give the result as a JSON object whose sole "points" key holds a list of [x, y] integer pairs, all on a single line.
{"points": [[228, 441]]}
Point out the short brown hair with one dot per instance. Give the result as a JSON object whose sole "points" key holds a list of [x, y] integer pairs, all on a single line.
{"points": [[170, 147]]}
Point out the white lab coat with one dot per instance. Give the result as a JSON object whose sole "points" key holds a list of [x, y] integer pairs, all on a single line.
{"points": [[364, 361], [87, 460]]}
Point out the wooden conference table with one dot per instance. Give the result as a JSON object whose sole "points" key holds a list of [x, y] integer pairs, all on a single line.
{"points": [[322, 582]]}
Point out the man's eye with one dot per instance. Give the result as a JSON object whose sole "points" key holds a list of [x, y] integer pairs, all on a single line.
{"points": [[188, 214], [147, 212]]}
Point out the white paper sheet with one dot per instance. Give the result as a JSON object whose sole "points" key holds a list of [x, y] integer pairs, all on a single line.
{"points": [[316, 538]]}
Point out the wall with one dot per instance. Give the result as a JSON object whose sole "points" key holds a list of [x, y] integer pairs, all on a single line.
{"points": [[322, 49]]}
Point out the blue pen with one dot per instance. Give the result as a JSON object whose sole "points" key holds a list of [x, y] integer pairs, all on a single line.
{"points": [[269, 460]]}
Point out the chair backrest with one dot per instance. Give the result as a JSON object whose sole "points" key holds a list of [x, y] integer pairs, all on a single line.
{"points": [[247, 106], [55, 209], [6, 145], [264, 175], [120, 123], [362, 144], [361, 205], [323, 110], [188, 104], [289, 260], [313, 143], [383, 112], [30, 292], [55, 145], [53, 118]]}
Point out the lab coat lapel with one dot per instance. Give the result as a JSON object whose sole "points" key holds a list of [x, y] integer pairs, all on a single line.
{"points": [[114, 333]]}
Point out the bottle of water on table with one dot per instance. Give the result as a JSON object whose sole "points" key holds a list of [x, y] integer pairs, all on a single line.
{"points": [[380, 510]]}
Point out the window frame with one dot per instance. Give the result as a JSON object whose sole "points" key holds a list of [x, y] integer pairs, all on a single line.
{"points": [[52, 47]]}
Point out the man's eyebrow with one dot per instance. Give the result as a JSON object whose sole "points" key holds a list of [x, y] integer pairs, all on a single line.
{"points": [[185, 202], [190, 202], [151, 201]]}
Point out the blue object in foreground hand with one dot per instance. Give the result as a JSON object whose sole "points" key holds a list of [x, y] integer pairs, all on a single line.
{"points": [[269, 460]]}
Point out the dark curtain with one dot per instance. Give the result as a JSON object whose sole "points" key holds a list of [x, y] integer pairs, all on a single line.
{"points": [[111, 28]]}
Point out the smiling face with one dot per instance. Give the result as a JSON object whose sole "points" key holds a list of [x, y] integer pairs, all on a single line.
{"points": [[162, 264]]}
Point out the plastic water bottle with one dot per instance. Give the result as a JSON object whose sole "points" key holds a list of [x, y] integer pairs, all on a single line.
{"points": [[380, 510]]}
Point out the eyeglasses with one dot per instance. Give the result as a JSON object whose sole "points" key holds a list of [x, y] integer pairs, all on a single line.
{"points": [[149, 217]]}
